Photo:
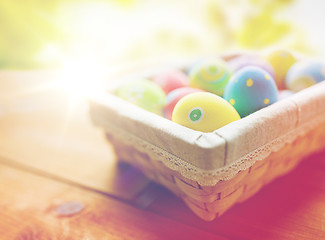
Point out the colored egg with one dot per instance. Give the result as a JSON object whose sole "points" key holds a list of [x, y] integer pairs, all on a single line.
{"points": [[144, 94], [239, 62], [211, 75], [203, 111], [174, 96], [281, 61], [251, 89], [195, 63], [305, 74], [284, 94], [169, 81]]}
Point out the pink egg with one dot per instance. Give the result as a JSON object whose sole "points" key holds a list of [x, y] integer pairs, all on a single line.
{"points": [[174, 96], [169, 81], [285, 93], [240, 62]]}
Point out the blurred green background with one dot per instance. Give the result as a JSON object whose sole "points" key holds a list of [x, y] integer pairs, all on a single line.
{"points": [[45, 34]]}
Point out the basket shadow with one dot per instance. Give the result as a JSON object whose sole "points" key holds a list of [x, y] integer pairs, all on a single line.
{"points": [[289, 206]]}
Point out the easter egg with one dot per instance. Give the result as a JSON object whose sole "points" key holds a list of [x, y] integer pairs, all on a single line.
{"points": [[203, 111], [144, 94], [174, 96], [169, 81], [305, 74], [195, 63], [281, 61], [284, 94], [239, 62], [211, 75], [251, 89]]}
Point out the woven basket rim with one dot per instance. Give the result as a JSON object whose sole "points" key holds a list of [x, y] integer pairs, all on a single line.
{"points": [[214, 145]]}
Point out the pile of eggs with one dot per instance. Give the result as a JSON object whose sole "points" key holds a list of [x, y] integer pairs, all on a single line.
{"points": [[214, 92]]}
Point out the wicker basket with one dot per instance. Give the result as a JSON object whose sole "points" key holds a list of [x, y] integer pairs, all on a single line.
{"points": [[213, 171]]}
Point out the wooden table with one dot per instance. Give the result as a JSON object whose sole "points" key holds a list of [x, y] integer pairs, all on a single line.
{"points": [[60, 180]]}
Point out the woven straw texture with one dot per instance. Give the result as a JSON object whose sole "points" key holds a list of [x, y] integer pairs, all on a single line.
{"points": [[213, 171], [208, 202]]}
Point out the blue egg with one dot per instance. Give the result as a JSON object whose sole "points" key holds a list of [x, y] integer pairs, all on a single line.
{"points": [[250, 89], [304, 74]]}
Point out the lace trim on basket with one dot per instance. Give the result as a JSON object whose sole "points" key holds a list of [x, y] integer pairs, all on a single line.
{"points": [[211, 177]]}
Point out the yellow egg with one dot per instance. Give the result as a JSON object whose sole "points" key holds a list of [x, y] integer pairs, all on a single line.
{"points": [[204, 112], [281, 61]]}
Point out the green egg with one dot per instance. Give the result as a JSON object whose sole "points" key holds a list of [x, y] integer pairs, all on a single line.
{"points": [[144, 94], [210, 75]]}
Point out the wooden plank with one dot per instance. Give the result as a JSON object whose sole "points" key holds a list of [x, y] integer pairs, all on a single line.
{"points": [[34, 207], [35, 133], [292, 207], [43, 128]]}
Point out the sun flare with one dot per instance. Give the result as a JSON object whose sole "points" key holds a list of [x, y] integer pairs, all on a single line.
{"points": [[80, 78]]}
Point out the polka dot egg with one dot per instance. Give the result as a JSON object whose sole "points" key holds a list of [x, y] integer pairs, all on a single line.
{"points": [[251, 89], [204, 112], [305, 74], [211, 75]]}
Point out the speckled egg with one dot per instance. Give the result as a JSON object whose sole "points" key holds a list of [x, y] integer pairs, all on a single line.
{"points": [[144, 94], [204, 112], [171, 80], [239, 62], [174, 96], [281, 61], [304, 74], [211, 75], [251, 89]]}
